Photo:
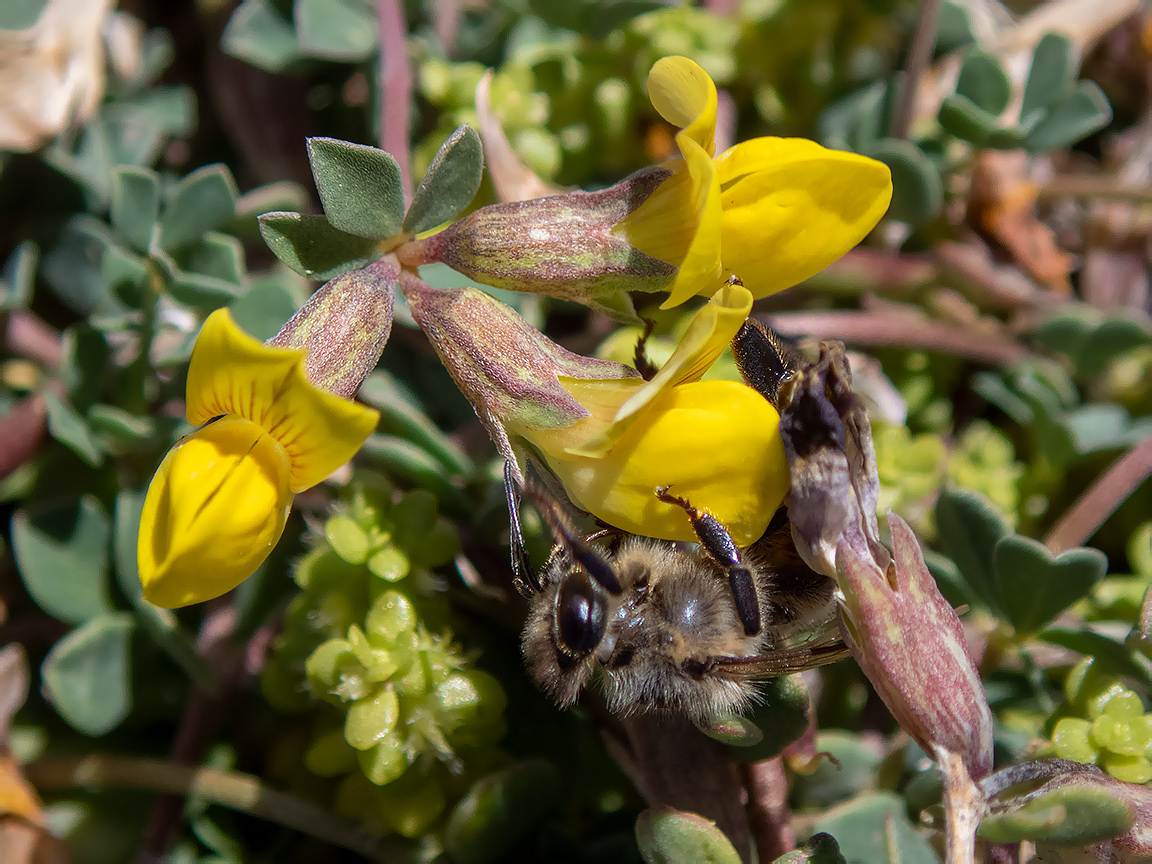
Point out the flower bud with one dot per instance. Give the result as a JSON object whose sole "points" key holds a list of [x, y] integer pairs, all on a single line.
{"points": [[563, 246], [344, 327], [906, 637], [607, 436]]}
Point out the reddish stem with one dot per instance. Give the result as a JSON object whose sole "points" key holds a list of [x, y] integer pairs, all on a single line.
{"points": [[395, 101]]}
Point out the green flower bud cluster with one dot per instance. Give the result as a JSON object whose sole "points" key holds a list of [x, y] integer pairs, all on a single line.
{"points": [[1109, 726], [1119, 597], [568, 103], [1128, 379], [925, 381], [913, 467], [405, 722]]}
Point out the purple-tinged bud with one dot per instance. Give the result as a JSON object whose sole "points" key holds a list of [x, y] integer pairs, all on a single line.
{"points": [[906, 637], [344, 326], [507, 369], [563, 246]]}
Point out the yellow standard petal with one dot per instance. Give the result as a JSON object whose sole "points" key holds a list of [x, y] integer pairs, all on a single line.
{"points": [[685, 96], [715, 443], [680, 223], [711, 330], [232, 373], [792, 207], [214, 510]]}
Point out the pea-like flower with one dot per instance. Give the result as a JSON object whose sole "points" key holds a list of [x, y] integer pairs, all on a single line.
{"points": [[607, 435], [278, 420], [772, 211]]}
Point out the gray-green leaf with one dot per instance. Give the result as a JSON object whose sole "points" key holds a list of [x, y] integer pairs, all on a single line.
{"points": [[135, 204], [667, 836], [61, 551], [312, 247], [199, 203], [1034, 586], [359, 186], [450, 183], [86, 674]]}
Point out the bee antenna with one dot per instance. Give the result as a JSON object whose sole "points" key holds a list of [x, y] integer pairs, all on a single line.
{"points": [[565, 532]]}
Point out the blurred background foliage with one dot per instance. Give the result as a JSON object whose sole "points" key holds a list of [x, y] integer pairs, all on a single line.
{"points": [[367, 679]]}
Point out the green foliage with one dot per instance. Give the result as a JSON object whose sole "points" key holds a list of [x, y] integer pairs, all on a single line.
{"points": [[874, 827], [1015, 577], [86, 674], [666, 836]]}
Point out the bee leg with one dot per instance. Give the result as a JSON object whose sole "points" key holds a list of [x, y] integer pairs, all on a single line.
{"points": [[524, 578], [764, 359], [721, 548], [640, 359], [582, 553]]}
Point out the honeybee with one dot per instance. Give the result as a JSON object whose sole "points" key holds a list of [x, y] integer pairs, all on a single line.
{"points": [[673, 627]]}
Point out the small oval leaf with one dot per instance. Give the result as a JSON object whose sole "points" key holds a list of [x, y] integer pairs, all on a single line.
{"points": [[450, 184], [359, 186]]}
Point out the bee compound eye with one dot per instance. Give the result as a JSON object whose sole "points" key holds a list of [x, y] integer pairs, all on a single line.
{"points": [[581, 615]]}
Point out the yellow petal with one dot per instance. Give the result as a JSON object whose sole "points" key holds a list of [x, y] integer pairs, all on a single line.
{"points": [[709, 333], [792, 207], [232, 373], [715, 443], [214, 510], [685, 96], [680, 224]]}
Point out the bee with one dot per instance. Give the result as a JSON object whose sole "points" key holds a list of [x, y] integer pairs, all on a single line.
{"points": [[671, 627]]}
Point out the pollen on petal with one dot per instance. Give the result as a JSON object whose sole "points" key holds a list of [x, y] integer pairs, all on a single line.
{"points": [[215, 508]]}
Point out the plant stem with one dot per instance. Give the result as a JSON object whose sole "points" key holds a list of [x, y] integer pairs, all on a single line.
{"points": [[919, 54], [1090, 511], [962, 806], [395, 85], [238, 791]]}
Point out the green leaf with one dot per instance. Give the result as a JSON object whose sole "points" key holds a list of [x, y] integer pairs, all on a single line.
{"points": [[202, 292], [61, 551], [734, 730], [17, 277], [1114, 337], [1110, 655], [854, 121], [876, 830], [1035, 587], [984, 81], [954, 30], [258, 34], [853, 772], [359, 186], [498, 810], [126, 275], [126, 430], [667, 836], [312, 247], [262, 311], [20, 14], [135, 204], [220, 256], [1050, 75], [199, 203], [335, 29], [783, 716], [1071, 119], [917, 191], [969, 527], [71, 430], [83, 364], [1068, 813], [820, 849], [963, 118], [401, 414], [450, 183], [86, 674], [72, 268]]}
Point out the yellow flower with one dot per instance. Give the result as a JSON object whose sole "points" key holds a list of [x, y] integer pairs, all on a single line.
{"points": [[218, 502], [773, 211], [610, 437]]}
